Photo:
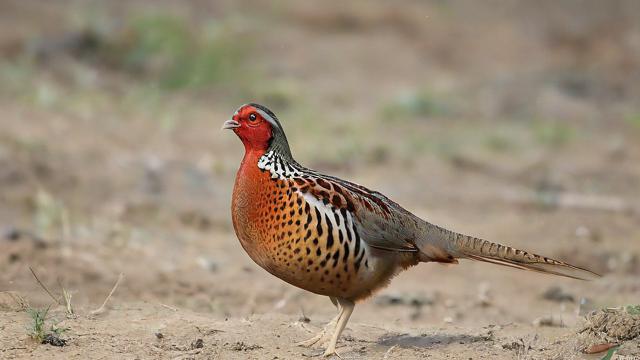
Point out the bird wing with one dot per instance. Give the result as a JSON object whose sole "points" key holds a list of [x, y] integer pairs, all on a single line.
{"points": [[381, 223]]}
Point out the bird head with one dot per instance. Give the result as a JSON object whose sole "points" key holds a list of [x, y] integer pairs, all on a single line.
{"points": [[258, 128]]}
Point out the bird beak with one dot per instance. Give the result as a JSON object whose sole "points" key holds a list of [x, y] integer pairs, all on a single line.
{"points": [[230, 124]]}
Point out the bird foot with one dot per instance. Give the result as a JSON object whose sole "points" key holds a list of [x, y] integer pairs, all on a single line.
{"points": [[322, 338], [331, 351], [312, 341]]}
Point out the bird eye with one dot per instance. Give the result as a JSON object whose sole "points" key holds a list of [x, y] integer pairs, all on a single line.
{"points": [[253, 117]]}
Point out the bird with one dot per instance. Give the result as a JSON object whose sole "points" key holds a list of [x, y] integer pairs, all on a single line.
{"points": [[336, 238]]}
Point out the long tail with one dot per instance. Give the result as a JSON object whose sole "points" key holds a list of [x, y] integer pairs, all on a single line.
{"points": [[463, 246]]}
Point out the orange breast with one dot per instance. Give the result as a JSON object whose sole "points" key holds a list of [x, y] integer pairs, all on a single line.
{"points": [[265, 216], [271, 221]]}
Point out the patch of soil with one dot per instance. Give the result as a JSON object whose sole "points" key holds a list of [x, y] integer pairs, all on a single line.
{"points": [[610, 326]]}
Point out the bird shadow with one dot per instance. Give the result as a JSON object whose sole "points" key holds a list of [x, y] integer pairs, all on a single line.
{"points": [[428, 341]]}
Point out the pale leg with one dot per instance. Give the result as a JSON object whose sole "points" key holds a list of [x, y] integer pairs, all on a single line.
{"points": [[347, 307], [321, 335], [335, 302]]}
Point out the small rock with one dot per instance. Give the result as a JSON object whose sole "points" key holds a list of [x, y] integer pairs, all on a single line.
{"points": [[14, 234], [522, 345], [11, 234], [421, 300], [207, 263], [552, 321], [518, 346], [54, 340], [159, 335], [241, 346], [416, 300], [389, 299], [557, 294], [198, 344]]}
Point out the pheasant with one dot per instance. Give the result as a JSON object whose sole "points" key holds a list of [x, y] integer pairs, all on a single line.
{"points": [[336, 238]]}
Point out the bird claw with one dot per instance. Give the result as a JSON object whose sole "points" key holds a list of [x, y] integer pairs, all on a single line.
{"points": [[314, 340], [331, 352], [321, 340], [310, 342], [322, 336]]}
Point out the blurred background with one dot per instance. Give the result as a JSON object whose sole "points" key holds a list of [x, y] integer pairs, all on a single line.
{"points": [[514, 121]]}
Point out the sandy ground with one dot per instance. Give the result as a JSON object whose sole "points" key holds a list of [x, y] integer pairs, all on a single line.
{"points": [[525, 133], [143, 331]]}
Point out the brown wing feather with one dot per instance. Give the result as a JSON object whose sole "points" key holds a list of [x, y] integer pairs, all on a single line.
{"points": [[383, 224]]}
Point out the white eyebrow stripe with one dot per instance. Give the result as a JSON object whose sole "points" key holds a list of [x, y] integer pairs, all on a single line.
{"points": [[267, 117]]}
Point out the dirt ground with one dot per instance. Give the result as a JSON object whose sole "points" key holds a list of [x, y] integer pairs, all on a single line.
{"points": [[518, 122]]}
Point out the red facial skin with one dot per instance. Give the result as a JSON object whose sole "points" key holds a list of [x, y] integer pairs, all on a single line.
{"points": [[255, 134]]}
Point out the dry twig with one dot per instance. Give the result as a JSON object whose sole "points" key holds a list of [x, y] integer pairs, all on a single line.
{"points": [[101, 308], [57, 301], [66, 296]]}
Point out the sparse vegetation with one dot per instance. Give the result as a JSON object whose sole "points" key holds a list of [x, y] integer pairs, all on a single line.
{"points": [[499, 143], [633, 120], [177, 55], [553, 134], [633, 309], [38, 328], [418, 105]]}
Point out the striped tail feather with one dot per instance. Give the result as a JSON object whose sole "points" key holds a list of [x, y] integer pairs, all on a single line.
{"points": [[463, 246]]}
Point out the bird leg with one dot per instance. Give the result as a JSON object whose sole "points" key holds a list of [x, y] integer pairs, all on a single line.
{"points": [[321, 335], [335, 303], [347, 307]]}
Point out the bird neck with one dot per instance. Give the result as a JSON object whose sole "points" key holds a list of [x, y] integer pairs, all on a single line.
{"points": [[280, 146], [249, 164], [257, 163], [280, 166]]}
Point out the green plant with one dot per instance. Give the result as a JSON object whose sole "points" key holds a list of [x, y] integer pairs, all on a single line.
{"points": [[37, 329], [58, 330], [175, 55], [38, 318], [553, 134], [633, 309], [609, 354], [633, 120]]}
